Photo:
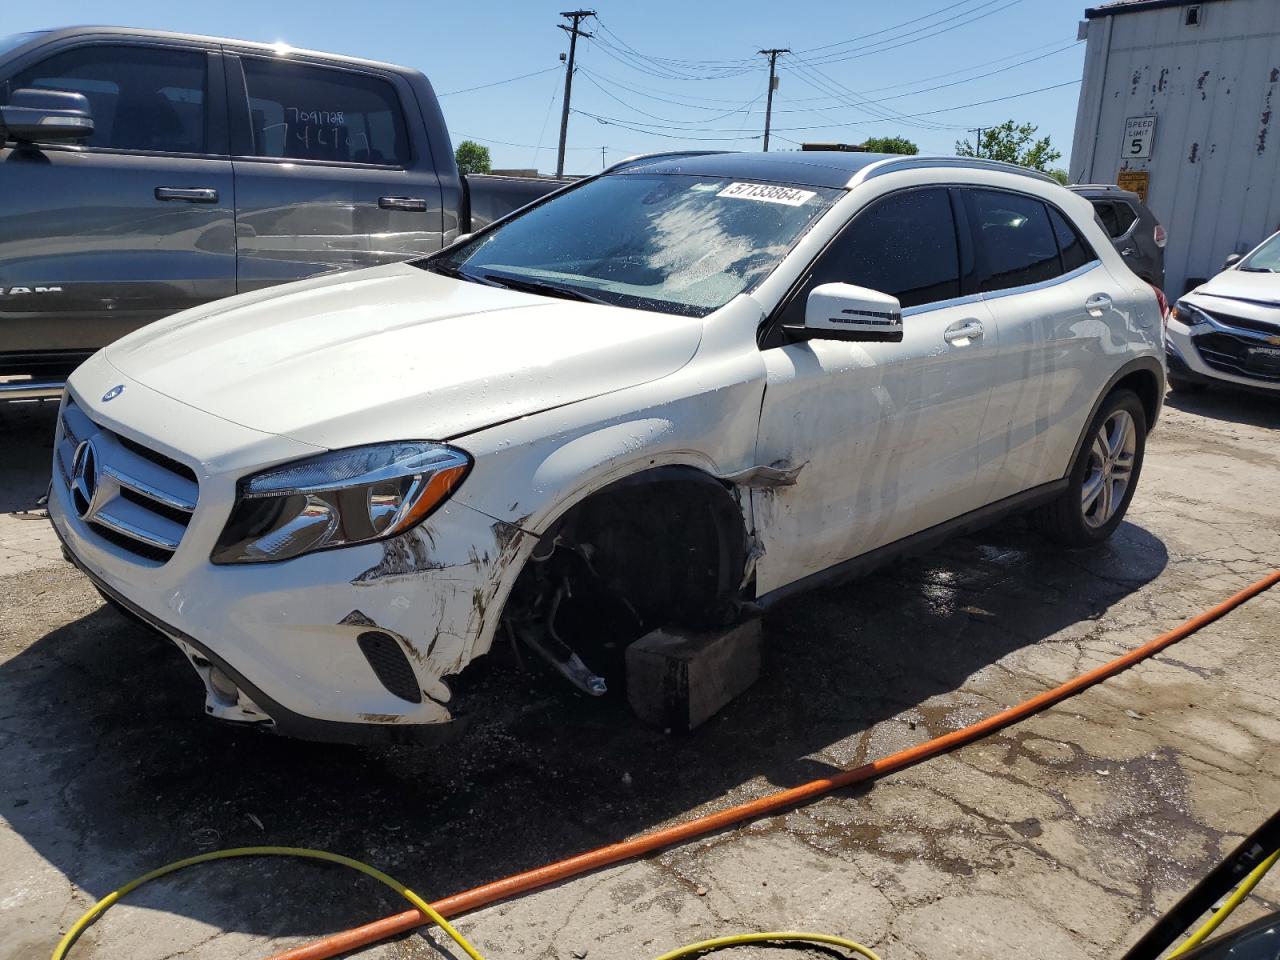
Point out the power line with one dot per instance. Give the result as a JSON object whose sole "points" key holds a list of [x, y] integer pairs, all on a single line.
{"points": [[975, 66], [682, 135], [876, 33], [640, 92], [880, 47], [508, 143], [965, 106], [591, 78], [850, 97], [639, 127], [498, 83], [693, 64], [655, 69], [543, 129], [665, 96]]}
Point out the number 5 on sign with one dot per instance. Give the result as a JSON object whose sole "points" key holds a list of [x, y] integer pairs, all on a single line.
{"points": [[1138, 134]]}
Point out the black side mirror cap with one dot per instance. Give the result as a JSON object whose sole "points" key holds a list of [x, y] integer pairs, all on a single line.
{"points": [[33, 115]]}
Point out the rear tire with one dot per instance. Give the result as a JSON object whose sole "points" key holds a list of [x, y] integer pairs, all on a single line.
{"points": [[1103, 477], [1178, 385]]}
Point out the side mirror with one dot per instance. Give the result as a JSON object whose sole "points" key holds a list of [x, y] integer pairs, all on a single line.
{"points": [[32, 115], [1231, 261], [841, 311]]}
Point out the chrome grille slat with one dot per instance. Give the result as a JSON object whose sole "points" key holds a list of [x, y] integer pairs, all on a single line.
{"points": [[147, 490], [113, 517], [143, 499]]}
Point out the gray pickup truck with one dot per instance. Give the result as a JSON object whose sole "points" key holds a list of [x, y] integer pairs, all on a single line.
{"points": [[142, 173]]}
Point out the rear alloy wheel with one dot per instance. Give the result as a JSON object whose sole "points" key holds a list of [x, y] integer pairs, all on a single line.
{"points": [[1103, 478], [1110, 469]]}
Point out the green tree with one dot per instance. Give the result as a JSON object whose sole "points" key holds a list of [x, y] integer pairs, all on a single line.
{"points": [[890, 145], [1060, 175], [472, 158], [1013, 143]]}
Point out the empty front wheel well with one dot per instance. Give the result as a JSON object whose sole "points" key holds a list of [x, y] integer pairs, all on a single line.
{"points": [[664, 547]]}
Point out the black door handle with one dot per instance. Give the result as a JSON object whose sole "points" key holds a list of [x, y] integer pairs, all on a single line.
{"points": [[189, 194], [414, 204]]}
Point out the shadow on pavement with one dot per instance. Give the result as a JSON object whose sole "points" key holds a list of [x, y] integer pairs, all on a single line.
{"points": [[26, 453], [1224, 403], [109, 767]]}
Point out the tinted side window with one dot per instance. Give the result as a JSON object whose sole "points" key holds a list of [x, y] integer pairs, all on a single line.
{"points": [[1124, 218], [302, 112], [1015, 242], [1106, 212], [903, 245], [143, 98], [1075, 251]]}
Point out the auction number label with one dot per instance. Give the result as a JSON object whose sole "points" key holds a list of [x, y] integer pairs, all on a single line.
{"points": [[767, 193]]}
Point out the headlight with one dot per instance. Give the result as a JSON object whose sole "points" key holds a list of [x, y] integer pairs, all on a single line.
{"points": [[337, 499], [1188, 315]]}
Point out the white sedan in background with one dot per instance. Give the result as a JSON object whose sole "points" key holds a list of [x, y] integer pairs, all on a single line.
{"points": [[1227, 331]]}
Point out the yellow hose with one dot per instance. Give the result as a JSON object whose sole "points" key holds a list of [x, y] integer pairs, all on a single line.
{"points": [[106, 903], [101, 907], [1237, 898], [785, 936]]}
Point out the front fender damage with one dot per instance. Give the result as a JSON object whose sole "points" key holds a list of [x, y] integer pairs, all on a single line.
{"points": [[434, 590]]}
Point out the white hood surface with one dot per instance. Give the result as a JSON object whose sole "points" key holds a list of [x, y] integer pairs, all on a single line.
{"points": [[1259, 288], [367, 356]]}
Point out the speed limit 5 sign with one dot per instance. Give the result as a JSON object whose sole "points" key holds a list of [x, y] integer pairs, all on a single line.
{"points": [[1138, 134]]}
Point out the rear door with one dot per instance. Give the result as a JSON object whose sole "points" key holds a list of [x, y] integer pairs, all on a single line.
{"points": [[129, 225], [885, 435], [1052, 299], [328, 176]]}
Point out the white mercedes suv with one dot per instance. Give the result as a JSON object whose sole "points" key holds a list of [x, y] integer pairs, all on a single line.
{"points": [[671, 394]]}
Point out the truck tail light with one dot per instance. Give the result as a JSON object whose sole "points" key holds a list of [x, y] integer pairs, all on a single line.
{"points": [[1161, 237]]}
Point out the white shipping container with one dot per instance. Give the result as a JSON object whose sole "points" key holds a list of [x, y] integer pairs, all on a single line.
{"points": [[1187, 93]]}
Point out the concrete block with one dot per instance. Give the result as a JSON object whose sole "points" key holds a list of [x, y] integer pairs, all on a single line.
{"points": [[679, 679]]}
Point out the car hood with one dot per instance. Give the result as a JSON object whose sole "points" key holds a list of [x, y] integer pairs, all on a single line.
{"points": [[1259, 288], [396, 352]]}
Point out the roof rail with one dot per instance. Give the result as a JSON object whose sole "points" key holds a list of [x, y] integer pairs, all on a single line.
{"points": [[895, 164], [660, 155]]}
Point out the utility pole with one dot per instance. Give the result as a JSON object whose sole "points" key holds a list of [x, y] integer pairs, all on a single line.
{"points": [[577, 16], [772, 54], [602, 150], [977, 150]]}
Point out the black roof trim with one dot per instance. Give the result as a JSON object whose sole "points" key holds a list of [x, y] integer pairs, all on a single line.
{"points": [[811, 169], [1135, 6]]}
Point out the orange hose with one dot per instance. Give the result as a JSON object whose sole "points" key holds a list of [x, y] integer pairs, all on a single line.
{"points": [[482, 896]]}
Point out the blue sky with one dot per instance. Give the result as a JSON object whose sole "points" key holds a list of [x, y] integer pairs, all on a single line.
{"points": [[666, 75]]}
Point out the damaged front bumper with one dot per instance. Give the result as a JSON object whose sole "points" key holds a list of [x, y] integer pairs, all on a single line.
{"points": [[348, 645], [271, 659]]}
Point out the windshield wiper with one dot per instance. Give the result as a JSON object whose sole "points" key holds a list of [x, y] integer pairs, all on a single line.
{"points": [[526, 285], [1256, 270]]}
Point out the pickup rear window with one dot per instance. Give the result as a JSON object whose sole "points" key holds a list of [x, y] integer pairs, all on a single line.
{"points": [[302, 112], [665, 242]]}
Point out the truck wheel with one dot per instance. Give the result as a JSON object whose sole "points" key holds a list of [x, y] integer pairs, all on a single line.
{"points": [[1102, 479], [1178, 385]]}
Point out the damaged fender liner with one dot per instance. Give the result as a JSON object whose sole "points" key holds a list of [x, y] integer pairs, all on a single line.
{"points": [[286, 722]]}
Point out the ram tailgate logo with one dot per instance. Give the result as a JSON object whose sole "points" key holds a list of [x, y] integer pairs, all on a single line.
{"points": [[20, 291]]}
